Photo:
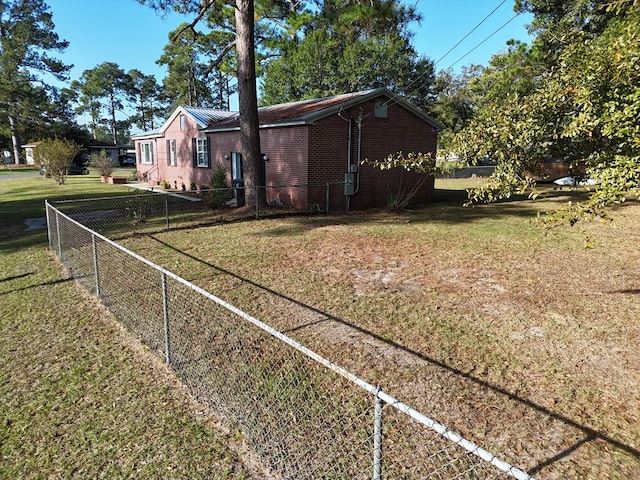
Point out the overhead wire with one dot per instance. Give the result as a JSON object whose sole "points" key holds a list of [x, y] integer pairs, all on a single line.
{"points": [[396, 96], [470, 32]]}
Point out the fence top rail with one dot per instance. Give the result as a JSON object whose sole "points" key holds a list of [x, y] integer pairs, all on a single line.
{"points": [[134, 193], [438, 428]]}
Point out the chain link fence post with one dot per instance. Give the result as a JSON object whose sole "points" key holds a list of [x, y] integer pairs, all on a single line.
{"points": [[165, 311], [377, 437], [327, 195], [58, 234], [166, 209], [95, 265], [257, 202], [46, 211]]}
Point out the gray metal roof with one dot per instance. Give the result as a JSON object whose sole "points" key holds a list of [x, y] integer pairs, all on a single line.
{"points": [[205, 116]]}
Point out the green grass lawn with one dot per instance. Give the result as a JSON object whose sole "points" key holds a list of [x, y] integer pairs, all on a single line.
{"points": [[79, 398], [522, 339]]}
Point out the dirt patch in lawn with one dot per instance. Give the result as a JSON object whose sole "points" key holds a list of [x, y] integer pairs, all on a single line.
{"points": [[525, 343]]}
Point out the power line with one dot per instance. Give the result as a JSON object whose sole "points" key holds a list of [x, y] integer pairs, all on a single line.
{"points": [[395, 96], [472, 30], [496, 31]]}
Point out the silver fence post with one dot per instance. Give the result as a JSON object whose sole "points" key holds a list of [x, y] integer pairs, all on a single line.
{"points": [[95, 265], [165, 304], [377, 438], [166, 209], [257, 203], [327, 197], [46, 211], [58, 233]]}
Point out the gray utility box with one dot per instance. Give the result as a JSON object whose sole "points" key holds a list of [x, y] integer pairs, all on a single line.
{"points": [[349, 184]]}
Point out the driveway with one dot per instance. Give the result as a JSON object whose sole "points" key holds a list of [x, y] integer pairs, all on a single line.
{"points": [[18, 175]]}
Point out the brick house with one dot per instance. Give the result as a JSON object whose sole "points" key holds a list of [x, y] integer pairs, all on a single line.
{"points": [[312, 150]]}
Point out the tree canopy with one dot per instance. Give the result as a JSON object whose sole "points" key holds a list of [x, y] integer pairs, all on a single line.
{"points": [[343, 47], [579, 102], [27, 38]]}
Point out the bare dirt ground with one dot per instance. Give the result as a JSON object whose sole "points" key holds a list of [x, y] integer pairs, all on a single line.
{"points": [[524, 342]]}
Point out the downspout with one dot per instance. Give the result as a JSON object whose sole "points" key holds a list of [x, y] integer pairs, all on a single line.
{"points": [[349, 132], [359, 152], [348, 197]]}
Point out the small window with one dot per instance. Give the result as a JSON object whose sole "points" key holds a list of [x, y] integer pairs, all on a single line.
{"points": [[201, 152], [146, 152], [380, 108], [171, 153], [183, 122]]}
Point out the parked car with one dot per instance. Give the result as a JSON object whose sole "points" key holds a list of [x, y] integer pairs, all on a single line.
{"points": [[126, 161], [74, 169]]}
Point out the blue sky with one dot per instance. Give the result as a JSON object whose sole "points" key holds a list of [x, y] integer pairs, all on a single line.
{"points": [[131, 35]]}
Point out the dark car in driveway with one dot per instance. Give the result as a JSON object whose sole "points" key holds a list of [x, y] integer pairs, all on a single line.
{"points": [[126, 161]]}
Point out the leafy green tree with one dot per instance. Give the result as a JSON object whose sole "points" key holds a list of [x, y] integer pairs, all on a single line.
{"points": [[148, 99], [350, 46], [454, 104], [26, 37], [103, 90], [198, 67], [55, 156], [583, 108]]}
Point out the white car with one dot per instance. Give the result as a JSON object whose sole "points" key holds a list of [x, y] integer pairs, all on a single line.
{"points": [[576, 181]]}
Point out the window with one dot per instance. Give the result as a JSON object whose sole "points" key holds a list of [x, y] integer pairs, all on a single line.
{"points": [[146, 152], [171, 153], [183, 122], [201, 156], [380, 108], [236, 166]]}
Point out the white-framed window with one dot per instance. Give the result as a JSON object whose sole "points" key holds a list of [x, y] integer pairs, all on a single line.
{"points": [[201, 152], [172, 158], [183, 122], [146, 152]]}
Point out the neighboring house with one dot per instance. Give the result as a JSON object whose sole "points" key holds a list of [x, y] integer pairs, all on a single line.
{"points": [[29, 152], [115, 152], [310, 149]]}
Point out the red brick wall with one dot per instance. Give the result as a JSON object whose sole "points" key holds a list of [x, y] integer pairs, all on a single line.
{"points": [[286, 167], [303, 159], [380, 137]]}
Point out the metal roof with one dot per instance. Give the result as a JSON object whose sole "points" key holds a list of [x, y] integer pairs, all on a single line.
{"points": [[205, 116], [308, 111]]}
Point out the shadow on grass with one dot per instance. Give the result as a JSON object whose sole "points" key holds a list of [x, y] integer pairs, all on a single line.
{"points": [[591, 434], [15, 277], [14, 239], [37, 285]]}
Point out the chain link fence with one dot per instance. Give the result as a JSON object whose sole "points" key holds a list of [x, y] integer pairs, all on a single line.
{"points": [[158, 209], [306, 417]]}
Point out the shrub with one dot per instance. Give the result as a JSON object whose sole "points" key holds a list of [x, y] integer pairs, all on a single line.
{"points": [[220, 192], [102, 162], [55, 156]]}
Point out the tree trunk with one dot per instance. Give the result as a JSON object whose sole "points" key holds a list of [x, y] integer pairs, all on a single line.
{"points": [[248, 103], [15, 140], [114, 130]]}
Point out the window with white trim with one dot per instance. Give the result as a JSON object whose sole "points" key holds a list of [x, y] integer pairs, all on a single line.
{"points": [[146, 152], [202, 152], [172, 159], [183, 122]]}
